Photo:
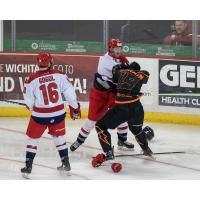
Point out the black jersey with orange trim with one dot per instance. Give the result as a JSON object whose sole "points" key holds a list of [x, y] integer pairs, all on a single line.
{"points": [[129, 83]]}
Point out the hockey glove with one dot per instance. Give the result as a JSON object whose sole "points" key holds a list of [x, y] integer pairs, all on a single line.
{"points": [[75, 113], [98, 160], [149, 132]]}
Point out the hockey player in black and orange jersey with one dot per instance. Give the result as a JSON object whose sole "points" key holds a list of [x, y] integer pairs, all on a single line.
{"points": [[128, 108], [43, 96]]}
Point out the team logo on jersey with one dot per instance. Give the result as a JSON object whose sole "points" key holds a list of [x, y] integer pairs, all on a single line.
{"points": [[52, 121]]}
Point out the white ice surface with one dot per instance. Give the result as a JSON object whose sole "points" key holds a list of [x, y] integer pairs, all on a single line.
{"points": [[167, 138]]}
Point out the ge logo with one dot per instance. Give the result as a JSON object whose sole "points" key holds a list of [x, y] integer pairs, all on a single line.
{"points": [[125, 48], [34, 46]]}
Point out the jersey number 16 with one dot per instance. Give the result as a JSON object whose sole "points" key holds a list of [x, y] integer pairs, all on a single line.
{"points": [[49, 93]]}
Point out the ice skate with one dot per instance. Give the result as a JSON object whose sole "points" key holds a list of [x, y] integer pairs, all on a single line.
{"points": [[110, 155], [124, 145], [26, 171], [65, 167], [147, 152], [75, 146]]}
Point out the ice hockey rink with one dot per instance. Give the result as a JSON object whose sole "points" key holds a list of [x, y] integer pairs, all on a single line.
{"points": [[168, 138]]}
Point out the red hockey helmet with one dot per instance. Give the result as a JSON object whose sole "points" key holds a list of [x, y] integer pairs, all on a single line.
{"points": [[44, 60], [112, 43]]}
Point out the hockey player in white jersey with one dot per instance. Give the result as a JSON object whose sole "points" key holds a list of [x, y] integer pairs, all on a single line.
{"points": [[102, 95], [43, 96]]}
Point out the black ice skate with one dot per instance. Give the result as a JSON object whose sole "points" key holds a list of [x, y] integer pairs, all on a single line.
{"points": [[110, 155], [65, 165], [75, 146], [147, 151], [124, 145], [27, 169]]}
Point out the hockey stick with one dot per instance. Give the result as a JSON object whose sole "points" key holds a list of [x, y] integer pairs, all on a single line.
{"points": [[157, 153], [14, 102]]}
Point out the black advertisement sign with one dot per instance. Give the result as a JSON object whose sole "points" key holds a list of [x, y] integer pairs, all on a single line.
{"points": [[179, 83]]}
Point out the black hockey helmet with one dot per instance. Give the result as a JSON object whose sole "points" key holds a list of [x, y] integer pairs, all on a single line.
{"points": [[134, 66]]}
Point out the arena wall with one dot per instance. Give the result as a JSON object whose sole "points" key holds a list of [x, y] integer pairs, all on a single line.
{"points": [[171, 95]]}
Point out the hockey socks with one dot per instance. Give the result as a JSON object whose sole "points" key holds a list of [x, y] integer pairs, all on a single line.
{"points": [[122, 136], [104, 138], [85, 130], [122, 130], [61, 146], [31, 150], [62, 149], [80, 139], [82, 136]]}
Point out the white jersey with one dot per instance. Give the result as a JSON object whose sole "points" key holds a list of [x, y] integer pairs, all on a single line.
{"points": [[105, 65], [43, 93]]}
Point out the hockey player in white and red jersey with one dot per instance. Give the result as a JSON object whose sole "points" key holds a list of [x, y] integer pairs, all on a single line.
{"points": [[43, 96], [102, 95]]}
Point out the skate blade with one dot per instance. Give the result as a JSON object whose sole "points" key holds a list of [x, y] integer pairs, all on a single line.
{"points": [[122, 148], [25, 175], [152, 157], [149, 157], [64, 172]]}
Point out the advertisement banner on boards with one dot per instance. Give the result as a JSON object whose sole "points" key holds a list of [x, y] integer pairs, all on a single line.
{"points": [[14, 68], [179, 83]]}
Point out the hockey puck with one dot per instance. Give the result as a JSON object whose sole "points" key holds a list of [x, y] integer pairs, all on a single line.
{"points": [[116, 167]]}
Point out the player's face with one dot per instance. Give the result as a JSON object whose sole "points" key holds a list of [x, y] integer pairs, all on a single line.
{"points": [[117, 51]]}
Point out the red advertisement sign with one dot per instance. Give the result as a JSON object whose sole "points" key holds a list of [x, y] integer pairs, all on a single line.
{"points": [[14, 67]]}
